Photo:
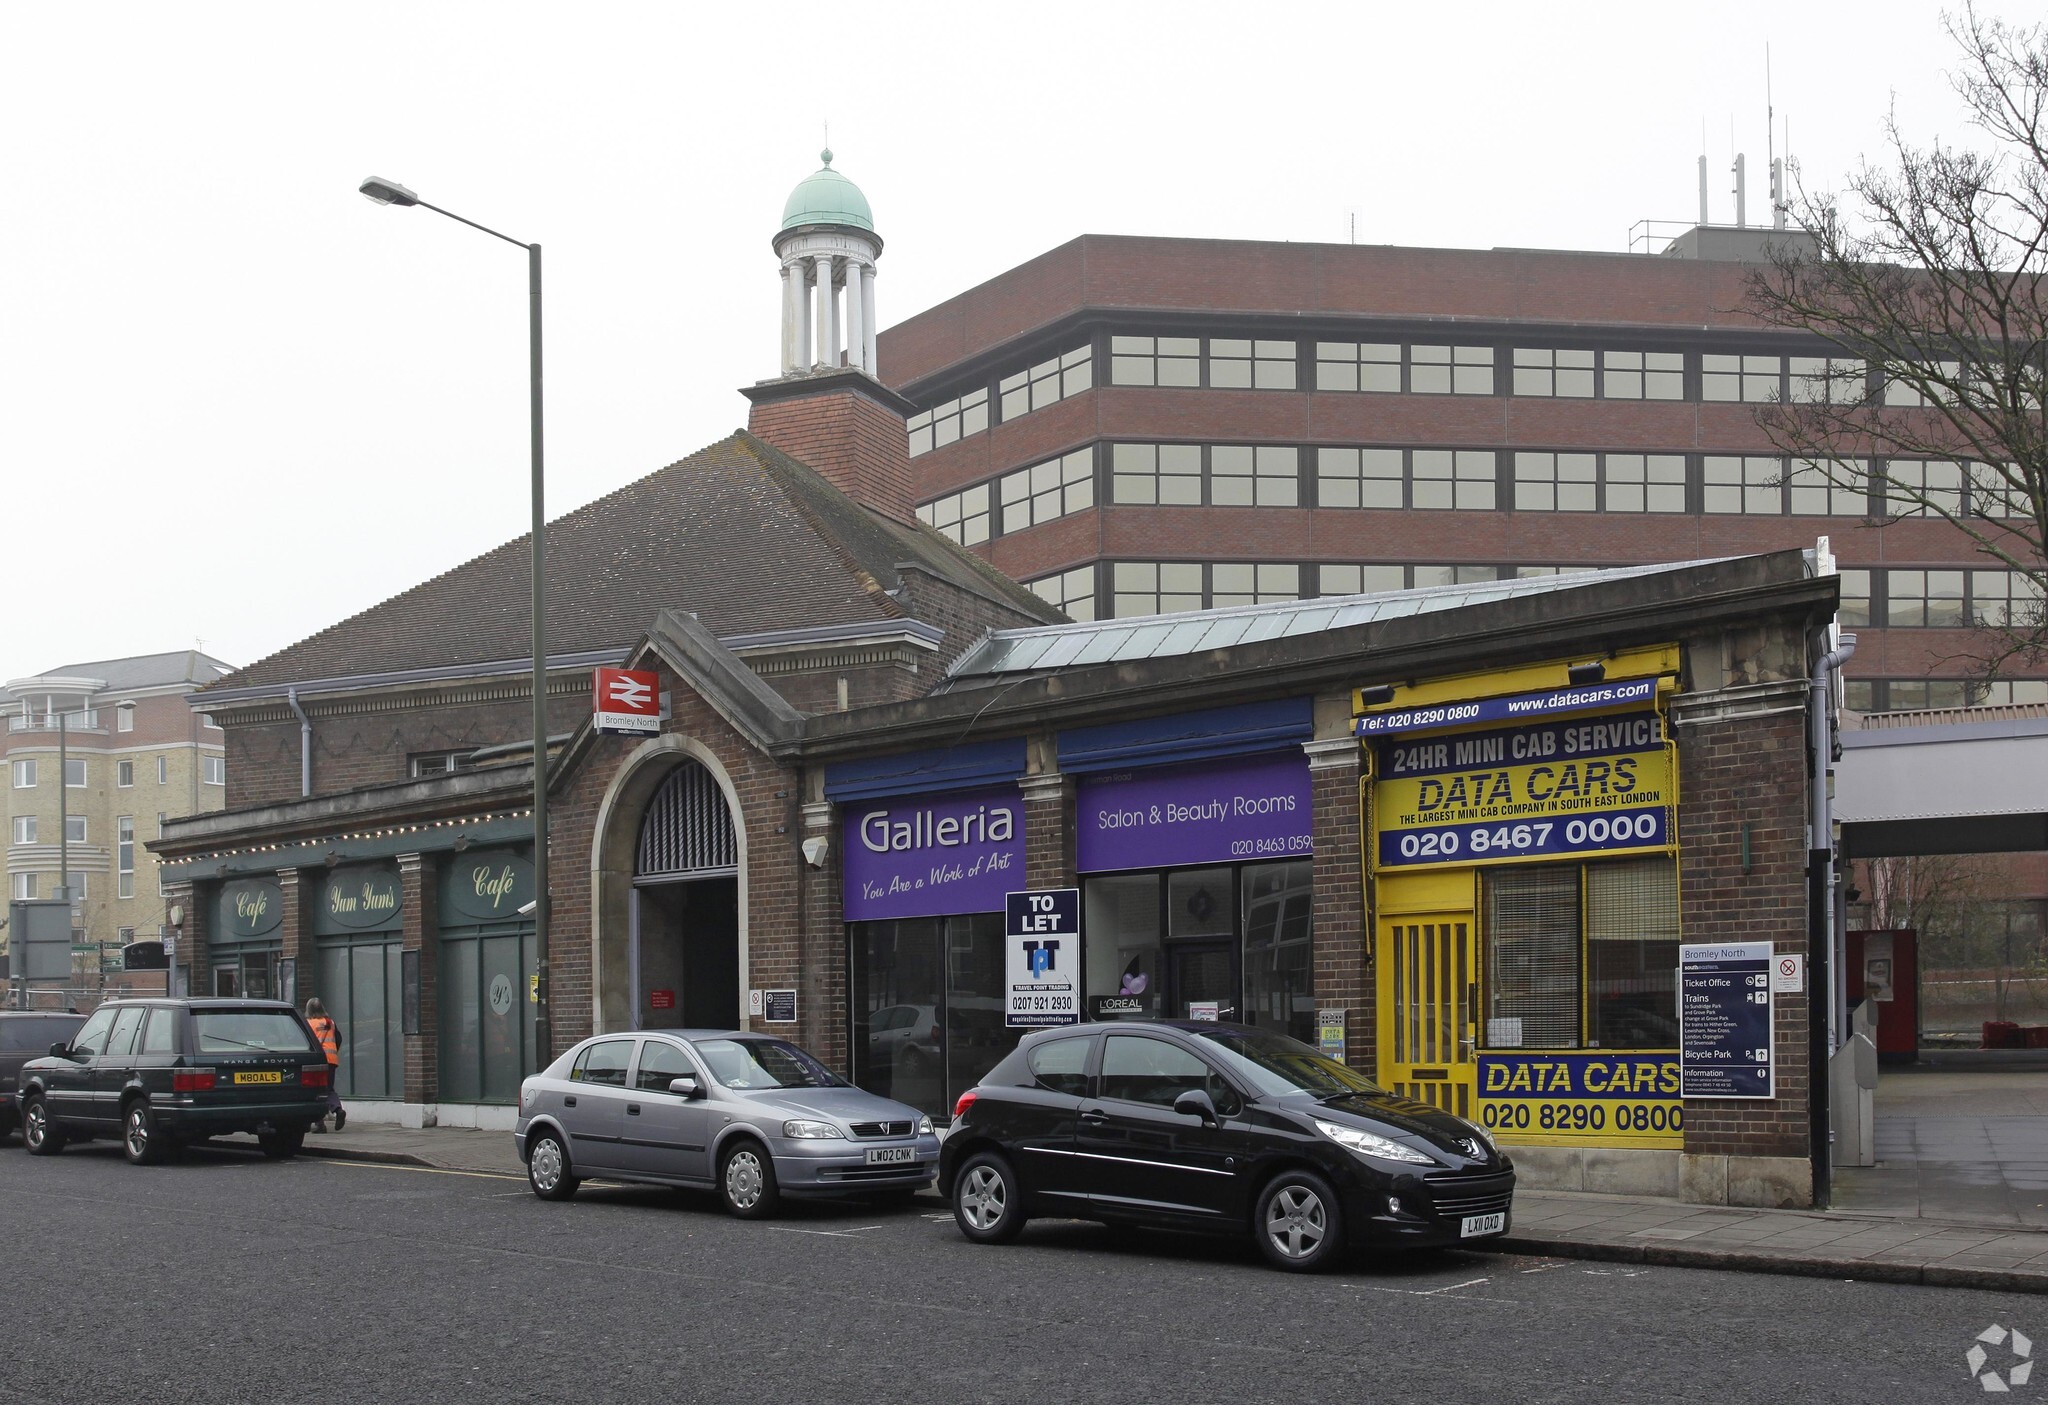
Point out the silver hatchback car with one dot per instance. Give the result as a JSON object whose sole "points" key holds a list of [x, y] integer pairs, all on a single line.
{"points": [[749, 1114]]}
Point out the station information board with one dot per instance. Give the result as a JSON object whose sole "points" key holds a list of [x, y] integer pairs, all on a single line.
{"points": [[1725, 1021]]}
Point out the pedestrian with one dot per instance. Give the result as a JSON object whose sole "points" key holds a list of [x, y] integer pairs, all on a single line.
{"points": [[329, 1035]]}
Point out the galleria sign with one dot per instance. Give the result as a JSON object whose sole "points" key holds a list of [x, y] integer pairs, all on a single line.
{"points": [[924, 829]]}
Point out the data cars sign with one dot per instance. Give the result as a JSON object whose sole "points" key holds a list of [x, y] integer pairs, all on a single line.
{"points": [[1554, 1098], [1042, 933], [625, 701], [1538, 790], [1725, 1022]]}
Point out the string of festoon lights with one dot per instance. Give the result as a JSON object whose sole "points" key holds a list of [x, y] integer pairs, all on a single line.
{"points": [[395, 831]]}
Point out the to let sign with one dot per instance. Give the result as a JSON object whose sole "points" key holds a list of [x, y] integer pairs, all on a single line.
{"points": [[1725, 1021], [1042, 935], [627, 701]]}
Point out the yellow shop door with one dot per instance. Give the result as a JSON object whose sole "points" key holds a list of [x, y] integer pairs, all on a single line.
{"points": [[1428, 994]]}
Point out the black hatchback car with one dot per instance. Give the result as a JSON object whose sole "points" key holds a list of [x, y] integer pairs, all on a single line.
{"points": [[25, 1035], [1216, 1128], [159, 1073]]}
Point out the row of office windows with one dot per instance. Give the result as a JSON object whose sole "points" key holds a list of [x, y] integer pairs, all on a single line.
{"points": [[1470, 480], [1412, 368], [1891, 598], [26, 773]]}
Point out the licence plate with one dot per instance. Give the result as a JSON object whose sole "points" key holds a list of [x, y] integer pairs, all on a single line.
{"points": [[891, 1155], [272, 1076], [1482, 1224]]}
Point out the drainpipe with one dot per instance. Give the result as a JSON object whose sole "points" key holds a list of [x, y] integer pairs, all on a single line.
{"points": [[1821, 846], [1826, 985], [291, 695]]}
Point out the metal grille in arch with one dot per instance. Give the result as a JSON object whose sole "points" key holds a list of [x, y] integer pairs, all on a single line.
{"points": [[687, 831]]}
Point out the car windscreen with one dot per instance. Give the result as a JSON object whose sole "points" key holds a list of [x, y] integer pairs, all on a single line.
{"points": [[250, 1031], [747, 1064], [1277, 1065]]}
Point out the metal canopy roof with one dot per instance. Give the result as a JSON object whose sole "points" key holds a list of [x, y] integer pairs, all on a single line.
{"points": [[1008, 653]]}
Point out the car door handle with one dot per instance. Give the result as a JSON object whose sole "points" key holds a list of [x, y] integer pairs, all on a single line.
{"points": [[632, 1109], [568, 1102], [1094, 1114]]}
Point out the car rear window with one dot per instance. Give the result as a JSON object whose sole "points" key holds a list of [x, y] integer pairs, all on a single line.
{"points": [[241, 1031]]}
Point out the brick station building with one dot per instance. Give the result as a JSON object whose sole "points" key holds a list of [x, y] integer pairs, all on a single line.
{"points": [[1453, 834]]}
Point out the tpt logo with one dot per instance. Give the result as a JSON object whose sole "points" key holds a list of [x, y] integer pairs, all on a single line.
{"points": [[1039, 957], [2010, 1367]]}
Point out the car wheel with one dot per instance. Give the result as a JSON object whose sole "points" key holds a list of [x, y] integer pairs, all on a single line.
{"points": [[987, 1204], [38, 1133], [1298, 1224], [141, 1142], [547, 1168], [282, 1146], [746, 1181]]}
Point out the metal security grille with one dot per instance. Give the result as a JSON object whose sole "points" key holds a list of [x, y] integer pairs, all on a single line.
{"points": [[1631, 951], [1532, 951], [1432, 1012], [687, 832]]}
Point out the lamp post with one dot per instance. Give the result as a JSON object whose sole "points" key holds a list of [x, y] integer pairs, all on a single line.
{"points": [[383, 192]]}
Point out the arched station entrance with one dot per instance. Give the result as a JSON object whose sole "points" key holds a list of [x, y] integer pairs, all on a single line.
{"points": [[684, 924]]}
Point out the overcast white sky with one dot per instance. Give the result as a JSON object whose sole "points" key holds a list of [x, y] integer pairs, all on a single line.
{"points": [[239, 403]]}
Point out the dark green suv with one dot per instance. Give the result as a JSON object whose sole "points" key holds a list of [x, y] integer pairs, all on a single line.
{"points": [[160, 1073]]}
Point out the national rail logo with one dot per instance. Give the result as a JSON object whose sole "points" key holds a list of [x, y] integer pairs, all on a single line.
{"points": [[1994, 1376]]}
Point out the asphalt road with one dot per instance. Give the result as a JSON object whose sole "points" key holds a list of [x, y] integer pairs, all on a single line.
{"points": [[224, 1277]]}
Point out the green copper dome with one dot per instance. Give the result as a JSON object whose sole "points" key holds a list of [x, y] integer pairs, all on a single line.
{"points": [[826, 197]]}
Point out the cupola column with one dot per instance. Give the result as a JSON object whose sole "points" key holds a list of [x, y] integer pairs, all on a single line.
{"points": [[828, 331], [856, 317], [867, 310], [796, 322]]}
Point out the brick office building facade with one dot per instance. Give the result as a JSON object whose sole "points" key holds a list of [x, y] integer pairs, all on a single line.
{"points": [[1138, 424]]}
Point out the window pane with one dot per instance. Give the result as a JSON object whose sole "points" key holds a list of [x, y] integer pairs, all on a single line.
{"points": [[1631, 952], [1532, 944]]}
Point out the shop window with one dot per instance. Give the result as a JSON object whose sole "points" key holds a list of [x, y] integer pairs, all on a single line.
{"points": [[1532, 956], [943, 424], [1561, 373], [927, 1004], [962, 516], [1048, 491], [1644, 482], [1241, 475], [361, 983], [1072, 591], [1457, 479], [1557, 482], [1251, 365], [1582, 955], [1126, 961], [1753, 484], [1279, 966], [1925, 599], [1363, 366], [1752, 379], [1047, 383], [1834, 489], [1359, 478], [1156, 473], [1642, 375], [1155, 361], [1198, 903]]}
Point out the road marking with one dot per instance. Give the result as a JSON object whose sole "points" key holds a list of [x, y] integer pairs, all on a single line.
{"points": [[425, 1170], [828, 1233], [1452, 1288]]}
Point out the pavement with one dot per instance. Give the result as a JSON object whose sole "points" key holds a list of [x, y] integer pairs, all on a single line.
{"points": [[1960, 1144], [1840, 1244]]}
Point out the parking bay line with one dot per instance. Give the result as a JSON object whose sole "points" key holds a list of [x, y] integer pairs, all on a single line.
{"points": [[421, 1170], [828, 1233]]}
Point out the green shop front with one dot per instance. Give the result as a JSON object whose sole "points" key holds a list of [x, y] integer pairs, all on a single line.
{"points": [[358, 950], [247, 940], [488, 976]]}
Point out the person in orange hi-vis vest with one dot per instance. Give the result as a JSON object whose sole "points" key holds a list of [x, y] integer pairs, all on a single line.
{"points": [[329, 1035]]}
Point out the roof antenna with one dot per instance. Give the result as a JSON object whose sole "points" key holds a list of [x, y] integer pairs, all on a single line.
{"points": [[1771, 149], [1703, 170], [1354, 226]]}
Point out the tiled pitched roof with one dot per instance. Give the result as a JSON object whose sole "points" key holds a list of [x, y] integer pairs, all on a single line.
{"points": [[146, 670], [743, 536]]}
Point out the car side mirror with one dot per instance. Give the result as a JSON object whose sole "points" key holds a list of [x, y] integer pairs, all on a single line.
{"points": [[686, 1087], [1195, 1103], [60, 1050]]}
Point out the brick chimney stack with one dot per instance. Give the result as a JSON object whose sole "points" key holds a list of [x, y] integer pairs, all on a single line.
{"points": [[846, 425]]}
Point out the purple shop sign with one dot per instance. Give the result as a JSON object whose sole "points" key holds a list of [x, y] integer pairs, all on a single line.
{"points": [[929, 856], [1224, 811]]}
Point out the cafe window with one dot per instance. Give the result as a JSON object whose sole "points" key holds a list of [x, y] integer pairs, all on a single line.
{"points": [[1582, 956]]}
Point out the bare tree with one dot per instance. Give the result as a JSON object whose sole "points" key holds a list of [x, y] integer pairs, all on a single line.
{"points": [[1925, 279]]}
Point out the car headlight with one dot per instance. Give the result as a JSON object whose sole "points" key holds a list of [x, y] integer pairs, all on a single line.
{"points": [[810, 1131], [1354, 1140], [924, 1126]]}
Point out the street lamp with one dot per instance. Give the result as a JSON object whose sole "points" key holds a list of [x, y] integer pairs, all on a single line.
{"points": [[384, 192]]}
